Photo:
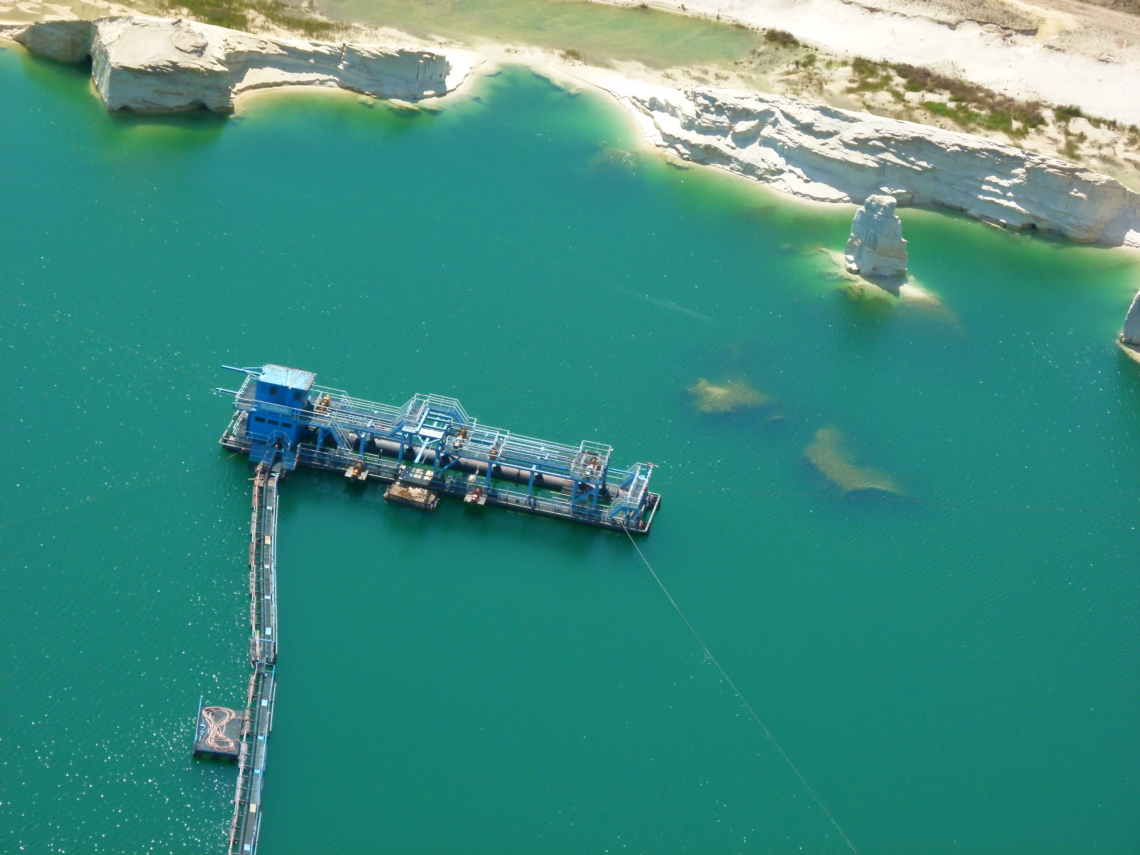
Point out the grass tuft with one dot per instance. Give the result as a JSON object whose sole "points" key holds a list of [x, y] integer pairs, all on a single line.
{"points": [[1067, 113], [781, 37], [235, 15]]}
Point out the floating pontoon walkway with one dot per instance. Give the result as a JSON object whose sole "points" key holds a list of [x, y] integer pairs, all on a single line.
{"points": [[262, 656], [241, 736], [428, 448]]}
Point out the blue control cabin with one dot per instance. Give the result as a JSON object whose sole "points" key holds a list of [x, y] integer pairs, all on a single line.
{"points": [[431, 447], [276, 417]]}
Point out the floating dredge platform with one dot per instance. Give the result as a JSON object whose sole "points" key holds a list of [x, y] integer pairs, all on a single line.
{"points": [[425, 449], [430, 447]]}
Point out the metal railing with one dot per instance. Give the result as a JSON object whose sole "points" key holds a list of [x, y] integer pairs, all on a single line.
{"points": [[246, 823]]}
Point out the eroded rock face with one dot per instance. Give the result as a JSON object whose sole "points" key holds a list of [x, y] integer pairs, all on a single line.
{"points": [[1131, 333], [876, 246], [64, 41], [160, 65], [831, 155]]}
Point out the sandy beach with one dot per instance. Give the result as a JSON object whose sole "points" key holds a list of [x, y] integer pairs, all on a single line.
{"points": [[980, 128], [1057, 51]]}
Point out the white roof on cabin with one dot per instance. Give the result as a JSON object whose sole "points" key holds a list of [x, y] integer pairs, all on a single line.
{"points": [[290, 378]]}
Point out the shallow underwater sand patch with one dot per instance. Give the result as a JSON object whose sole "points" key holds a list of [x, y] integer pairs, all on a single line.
{"points": [[906, 292], [830, 456], [726, 397]]}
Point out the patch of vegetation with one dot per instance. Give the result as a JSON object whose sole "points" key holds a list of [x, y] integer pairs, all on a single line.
{"points": [[1131, 7], [955, 112], [995, 111], [1067, 113], [967, 104], [235, 15], [870, 76], [962, 114], [572, 55], [781, 37]]}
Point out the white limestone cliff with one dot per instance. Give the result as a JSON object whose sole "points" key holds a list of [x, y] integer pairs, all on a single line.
{"points": [[1129, 338], [1131, 332], [808, 150], [830, 155], [876, 246], [159, 65]]}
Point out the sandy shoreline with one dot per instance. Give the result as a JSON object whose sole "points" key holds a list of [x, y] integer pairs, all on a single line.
{"points": [[810, 151], [1056, 51]]}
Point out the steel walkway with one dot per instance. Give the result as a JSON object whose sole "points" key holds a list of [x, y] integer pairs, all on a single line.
{"points": [[263, 657]]}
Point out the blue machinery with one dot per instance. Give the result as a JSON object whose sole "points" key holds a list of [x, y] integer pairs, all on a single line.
{"points": [[430, 447], [427, 448]]}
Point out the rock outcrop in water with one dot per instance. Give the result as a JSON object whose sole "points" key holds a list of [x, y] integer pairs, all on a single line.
{"points": [[1130, 336], [159, 65], [1131, 333], [876, 246], [830, 155]]}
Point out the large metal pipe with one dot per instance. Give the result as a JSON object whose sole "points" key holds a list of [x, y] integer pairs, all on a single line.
{"points": [[391, 448]]}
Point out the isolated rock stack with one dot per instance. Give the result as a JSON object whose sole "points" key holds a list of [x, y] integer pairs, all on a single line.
{"points": [[876, 246], [1131, 332]]}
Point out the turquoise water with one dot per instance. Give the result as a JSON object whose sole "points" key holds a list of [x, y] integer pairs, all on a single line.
{"points": [[952, 669]]}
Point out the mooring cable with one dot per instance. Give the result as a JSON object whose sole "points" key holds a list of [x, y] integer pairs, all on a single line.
{"points": [[740, 695]]}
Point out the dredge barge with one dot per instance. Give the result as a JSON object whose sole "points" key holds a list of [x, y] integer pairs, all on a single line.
{"points": [[425, 449], [429, 448]]}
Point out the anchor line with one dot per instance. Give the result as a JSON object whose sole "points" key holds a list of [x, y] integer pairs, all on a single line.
{"points": [[740, 695]]}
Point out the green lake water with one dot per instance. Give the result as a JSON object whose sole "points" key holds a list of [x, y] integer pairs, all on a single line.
{"points": [[597, 31], [952, 669]]}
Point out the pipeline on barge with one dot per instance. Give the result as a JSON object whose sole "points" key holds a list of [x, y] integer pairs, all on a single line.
{"points": [[430, 447]]}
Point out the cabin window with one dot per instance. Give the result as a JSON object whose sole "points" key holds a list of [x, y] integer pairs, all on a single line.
{"points": [[273, 391], [296, 394], [273, 421], [286, 425], [259, 419]]}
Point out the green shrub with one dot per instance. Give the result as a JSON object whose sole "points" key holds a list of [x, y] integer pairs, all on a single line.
{"points": [[234, 14], [781, 37], [864, 67], [1067, 113]]}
